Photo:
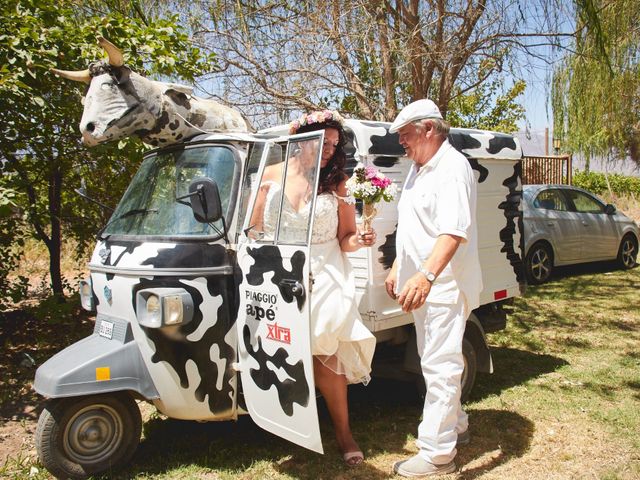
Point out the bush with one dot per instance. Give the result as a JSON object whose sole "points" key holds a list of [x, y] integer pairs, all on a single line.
{"points": [[596, 182]]}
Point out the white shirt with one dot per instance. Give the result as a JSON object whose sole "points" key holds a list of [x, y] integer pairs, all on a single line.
{"points": [[440, 198]]}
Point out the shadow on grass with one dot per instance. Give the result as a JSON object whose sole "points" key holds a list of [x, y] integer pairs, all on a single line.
{"points": [[496, 436], [586, 282], [585, 269], [513, 367], [384, 415]]}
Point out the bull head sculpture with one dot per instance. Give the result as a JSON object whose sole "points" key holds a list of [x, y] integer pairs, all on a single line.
{"points": [[120, 103]]}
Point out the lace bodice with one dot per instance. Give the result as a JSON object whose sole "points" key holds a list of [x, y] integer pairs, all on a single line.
{"points": [[294, 223]]}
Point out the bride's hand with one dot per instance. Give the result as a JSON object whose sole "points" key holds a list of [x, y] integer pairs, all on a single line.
{"points": [[367, 238]]}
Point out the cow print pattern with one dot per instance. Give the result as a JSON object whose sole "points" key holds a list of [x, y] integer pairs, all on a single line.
{"points": [[269, 259], [295, 389], [292, 390], [177, 350], [462, 142], [513, 216]]}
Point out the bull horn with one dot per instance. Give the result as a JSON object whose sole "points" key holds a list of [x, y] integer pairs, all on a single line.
{"points": [[77, 76], [115, 56]]}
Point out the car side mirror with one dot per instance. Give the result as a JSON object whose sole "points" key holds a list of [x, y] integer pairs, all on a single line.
{"points": [[204, 199], [609, 209]]}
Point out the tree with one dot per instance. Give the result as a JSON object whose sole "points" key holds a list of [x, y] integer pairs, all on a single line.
{"points": [[367, 58], [596, 90], [487, 109], [41, 156]]}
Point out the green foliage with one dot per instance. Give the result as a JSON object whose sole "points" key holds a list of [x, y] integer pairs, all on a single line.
{"points": [[597, 183], [488, 109], [41, 156], [596, 90]]}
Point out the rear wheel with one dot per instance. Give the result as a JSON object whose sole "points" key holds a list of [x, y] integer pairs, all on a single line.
{"points": [[470, 369], [82, 436], [539, 263], [468, 374], [628, 252]]}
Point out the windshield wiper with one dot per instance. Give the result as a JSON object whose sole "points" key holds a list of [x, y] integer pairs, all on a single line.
{"points": [[128, 213]]}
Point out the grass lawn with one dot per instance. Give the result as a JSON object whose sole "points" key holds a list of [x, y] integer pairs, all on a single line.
{"points": [[563, 402]]}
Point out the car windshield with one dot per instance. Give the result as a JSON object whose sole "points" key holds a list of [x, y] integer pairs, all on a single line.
{"points": [[149, 206]]}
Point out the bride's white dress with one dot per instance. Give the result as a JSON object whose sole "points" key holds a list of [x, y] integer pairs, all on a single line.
{"points": [[338, 337]]}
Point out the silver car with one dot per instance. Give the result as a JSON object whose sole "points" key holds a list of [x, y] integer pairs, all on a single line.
{"points": [[564, 225]]}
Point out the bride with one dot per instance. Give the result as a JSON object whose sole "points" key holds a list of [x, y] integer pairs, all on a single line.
{"points": [[341, 345]]}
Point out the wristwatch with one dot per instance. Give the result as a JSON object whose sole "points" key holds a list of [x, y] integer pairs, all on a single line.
{"points": [[430, 275]]}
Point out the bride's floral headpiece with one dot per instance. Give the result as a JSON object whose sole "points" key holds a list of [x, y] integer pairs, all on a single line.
{"points": [[315, 117]]}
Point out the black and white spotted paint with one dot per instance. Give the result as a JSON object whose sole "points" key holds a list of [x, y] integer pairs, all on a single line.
{"points": [[208, 342], [120, 103], [295, 389], [473, 144]]}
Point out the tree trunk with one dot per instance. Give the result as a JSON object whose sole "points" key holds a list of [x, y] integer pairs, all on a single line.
{"points": [[55, 239]]}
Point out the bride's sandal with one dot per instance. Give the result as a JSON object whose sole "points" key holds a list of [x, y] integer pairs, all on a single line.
{"points": [[353, 459]]}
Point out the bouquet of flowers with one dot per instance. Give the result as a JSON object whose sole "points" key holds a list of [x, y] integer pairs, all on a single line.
{"points": [[370, 186]]}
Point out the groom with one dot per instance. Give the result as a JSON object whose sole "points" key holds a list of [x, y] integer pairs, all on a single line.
{"points": [[436, 276]]}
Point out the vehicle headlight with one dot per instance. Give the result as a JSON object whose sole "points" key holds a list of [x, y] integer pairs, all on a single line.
{"points": [[86, 295], [159, 307]]}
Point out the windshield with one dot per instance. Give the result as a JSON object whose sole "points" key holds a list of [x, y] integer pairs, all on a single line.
{"points": [[149, 206]]}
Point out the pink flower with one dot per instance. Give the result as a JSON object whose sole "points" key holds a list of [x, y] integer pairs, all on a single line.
{"points": [[377, 182], [370, 173], [328, 114]]}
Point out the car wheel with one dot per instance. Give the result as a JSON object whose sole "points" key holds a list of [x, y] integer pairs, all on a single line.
{"points": [[628, 252], [470, 369], [539, 263], [468, 374], [81, 436]]}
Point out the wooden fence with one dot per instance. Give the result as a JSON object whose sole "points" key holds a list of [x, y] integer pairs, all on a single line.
{"points": [[546, 169]]}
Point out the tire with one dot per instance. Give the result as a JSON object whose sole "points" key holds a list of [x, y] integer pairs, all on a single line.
{"points": [[470, 369], [81, 436], [539, 263], [628, 252], [468, 374]]}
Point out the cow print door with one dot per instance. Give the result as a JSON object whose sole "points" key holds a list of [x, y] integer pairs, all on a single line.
{"points": [[275, 359]]}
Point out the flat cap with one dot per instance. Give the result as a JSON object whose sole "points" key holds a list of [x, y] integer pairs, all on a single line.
{"points": [[415, 111]]}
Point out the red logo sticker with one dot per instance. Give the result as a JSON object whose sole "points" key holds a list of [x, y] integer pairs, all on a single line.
{"points": [[279, 334]]}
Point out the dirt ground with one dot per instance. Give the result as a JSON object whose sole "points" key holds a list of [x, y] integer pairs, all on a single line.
{"points": [[26, 343]]}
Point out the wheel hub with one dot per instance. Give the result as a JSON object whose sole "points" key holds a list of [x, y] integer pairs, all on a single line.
{"points": [[93, 434]]}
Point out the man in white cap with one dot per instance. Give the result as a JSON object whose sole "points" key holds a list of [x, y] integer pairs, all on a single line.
{"points": [[436, 275]]}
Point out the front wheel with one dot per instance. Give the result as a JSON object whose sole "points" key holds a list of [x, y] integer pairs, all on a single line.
{"points": [[82, 436], [628, 252], [539, 263]]}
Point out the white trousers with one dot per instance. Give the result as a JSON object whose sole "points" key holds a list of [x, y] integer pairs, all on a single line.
{"points": [[439, 331]]}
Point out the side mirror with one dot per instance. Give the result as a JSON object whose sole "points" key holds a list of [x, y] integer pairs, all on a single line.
{"points": [[609, 209], [205, 200]]}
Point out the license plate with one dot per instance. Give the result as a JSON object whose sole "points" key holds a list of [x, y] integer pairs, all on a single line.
{"points": [[106, 329]]}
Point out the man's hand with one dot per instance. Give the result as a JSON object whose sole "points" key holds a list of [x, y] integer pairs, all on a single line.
{"points": [[390, 285], [390, 281], [414, 293]]}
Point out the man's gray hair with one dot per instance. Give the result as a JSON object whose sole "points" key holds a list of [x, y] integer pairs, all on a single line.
{"points": [[440, 126]]}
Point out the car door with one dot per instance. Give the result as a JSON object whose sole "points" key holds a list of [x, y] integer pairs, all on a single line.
{"points": [[555, 222], [600, 236], [275, 361]]}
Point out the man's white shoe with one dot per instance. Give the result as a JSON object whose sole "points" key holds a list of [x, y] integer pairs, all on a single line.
{"points": [[417, 466]]}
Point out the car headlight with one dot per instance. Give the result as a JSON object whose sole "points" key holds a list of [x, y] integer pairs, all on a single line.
{"points": [[159, 307], [86, 295]]}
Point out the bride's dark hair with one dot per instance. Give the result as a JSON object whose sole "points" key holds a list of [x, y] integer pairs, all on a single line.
{"points": [[333, 173]]}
